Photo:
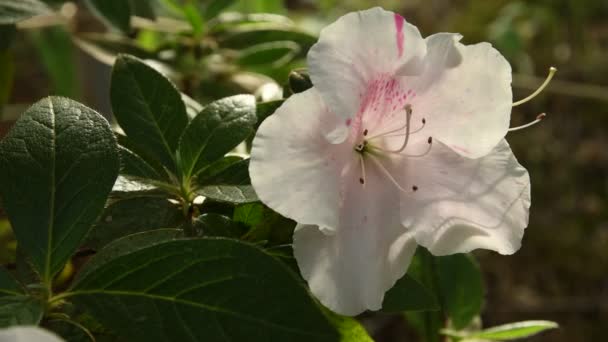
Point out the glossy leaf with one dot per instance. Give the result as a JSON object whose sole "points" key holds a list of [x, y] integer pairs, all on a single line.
{"points": [[461, 286], [132, 164], [148, 108], [409, 295], [250, 35], [13, 11], [8, 285], [116, 13], [232, 185], [128, 187], [219, 128], [210, 173], [19, 310], [57, 167], [209, 289], [266, 109]]}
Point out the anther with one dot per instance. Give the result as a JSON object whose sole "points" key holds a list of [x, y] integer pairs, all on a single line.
{"points": [[430, 140], [539, 118], [365, 132], [423, 121], [388, 175], [552, 72], [414, 188], [361, 180]]}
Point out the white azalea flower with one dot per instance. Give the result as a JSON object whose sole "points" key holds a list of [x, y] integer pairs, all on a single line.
{"points": [[399, 143]]}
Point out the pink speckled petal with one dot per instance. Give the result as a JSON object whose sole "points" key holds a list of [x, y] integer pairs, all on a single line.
{"points": [[294, 169], [359, 49], [350, 270], [464, 93], [464, 204]]}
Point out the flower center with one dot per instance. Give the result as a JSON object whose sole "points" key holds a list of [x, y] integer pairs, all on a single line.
{"points": [[367, 150]]}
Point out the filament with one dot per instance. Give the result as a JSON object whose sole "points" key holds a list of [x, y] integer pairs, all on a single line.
{"points": [[539, 118], [363, 178], [408, 112], [552, 71], [389, 176]]}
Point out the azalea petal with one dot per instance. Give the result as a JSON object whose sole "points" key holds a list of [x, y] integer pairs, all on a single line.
{"points": [[294, 169], [359, 49], [350, 270], [464, 204], [465, 94]]}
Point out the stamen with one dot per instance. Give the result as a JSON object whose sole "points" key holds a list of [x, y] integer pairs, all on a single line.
{"points": [[390, 177], [408, 112], [429, 141], [407, 130], [552, 71], [362, 179], [365, 132], [403, 134], [539, 118]]}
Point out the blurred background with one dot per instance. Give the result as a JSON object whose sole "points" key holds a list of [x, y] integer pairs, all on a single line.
{"points": [[561, 272]]}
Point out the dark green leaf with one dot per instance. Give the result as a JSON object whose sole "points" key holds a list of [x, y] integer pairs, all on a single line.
{"points": [[461, 286], [212, 224], [134, 165], [265, 224], [409, 295], [148, 107], [299, 81], [209, 289], [232, 185], [507, 332], [219, 128], [8, 285], [57, 167], [133, 215], [13, 11], [210, 173], [236, 173], [115, 13], [261, 6], [268, 53], [192, 14], [19, 310], [128, 187]]}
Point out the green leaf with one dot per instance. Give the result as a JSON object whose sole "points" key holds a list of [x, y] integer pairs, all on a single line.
{"points": [[148, 108], [461, 286], [232, 185], [209, 173], [132, 164], [514, 331], [7, 64], [265, 224], [8, 285], [253, 34], [133, 215], [299, 81], [268, 53], [219, 128], [506, 332], [192, 14], [13, 11], [212, 224], [409, 295], [261, 6], [57, 167], [128, 187], [19, 310], [208, 289], [115, 13], [350, 329]]}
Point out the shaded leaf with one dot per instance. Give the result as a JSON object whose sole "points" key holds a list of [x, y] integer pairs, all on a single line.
{"points": [[268, 53], [143, 8], [133, 165], [148, 108], [506, 332], [8, 285], [212, 224], [265, 109], [28, 334], [232, 185], [57, 167], [350, 329], [203, 289], [409, 295], [461, 286], [19, 310], [133, 215]]}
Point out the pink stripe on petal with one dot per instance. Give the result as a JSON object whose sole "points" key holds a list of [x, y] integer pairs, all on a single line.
{"points": [[399, 21]]}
